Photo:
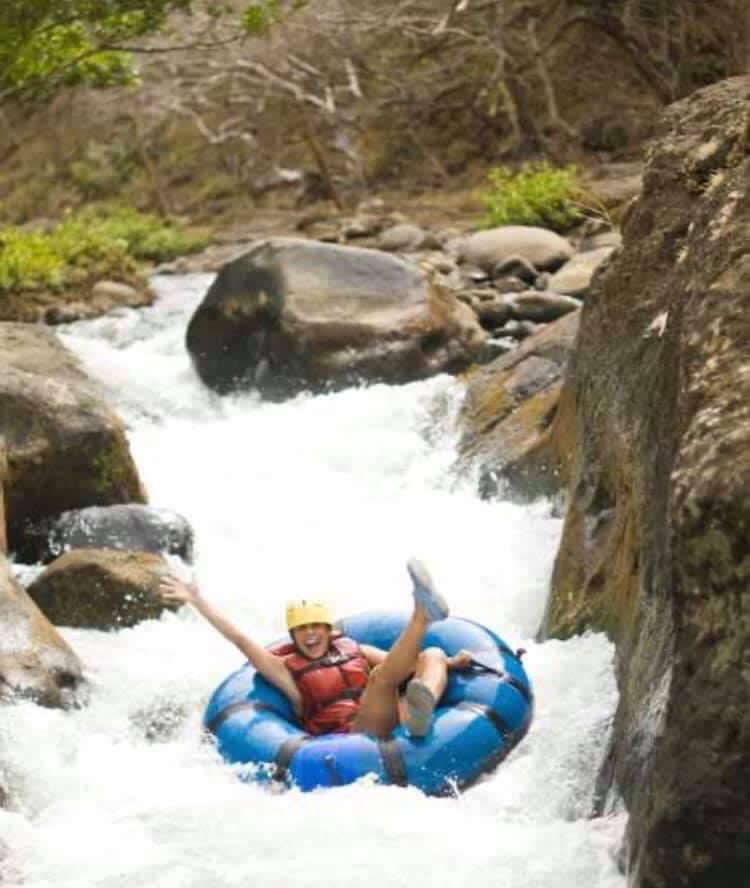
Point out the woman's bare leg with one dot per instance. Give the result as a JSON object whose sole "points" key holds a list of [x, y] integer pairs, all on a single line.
{"points": [[432, 670], [379, 707], [424, 691]]}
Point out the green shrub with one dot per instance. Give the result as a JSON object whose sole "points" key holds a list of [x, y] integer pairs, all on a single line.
{"points": [[146, 237], [536, 194], [88, 244]]}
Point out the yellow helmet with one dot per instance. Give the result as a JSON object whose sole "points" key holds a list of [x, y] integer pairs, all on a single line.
{"points": [[298, 613]]}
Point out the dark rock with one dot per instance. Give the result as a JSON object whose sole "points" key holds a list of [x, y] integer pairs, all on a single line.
{"points": [[130, 526], [495, 347], [294, 315], [493, 312], [517, 268]]}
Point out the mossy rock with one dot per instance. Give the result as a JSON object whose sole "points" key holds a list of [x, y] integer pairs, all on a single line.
{"points": [[66, 449], [100, 588]]}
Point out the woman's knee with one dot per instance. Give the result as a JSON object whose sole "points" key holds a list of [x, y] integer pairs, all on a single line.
{"points": [[375, 678], [431, 655]]}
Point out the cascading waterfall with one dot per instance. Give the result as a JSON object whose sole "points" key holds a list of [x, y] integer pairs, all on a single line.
{"points": [[324, 496]]}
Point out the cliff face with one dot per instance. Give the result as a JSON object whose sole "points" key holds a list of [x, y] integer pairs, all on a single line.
{"points": [[655, 546]]}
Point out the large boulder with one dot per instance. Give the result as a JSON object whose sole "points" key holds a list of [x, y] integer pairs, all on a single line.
{"points": [[292, 314], [510, 423], [128, 526], [100, 588], [65, 448], [35, 661], [655, 544], [544, 249]]}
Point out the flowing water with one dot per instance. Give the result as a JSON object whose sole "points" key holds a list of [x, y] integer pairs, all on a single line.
{"points": [[323, 496]]}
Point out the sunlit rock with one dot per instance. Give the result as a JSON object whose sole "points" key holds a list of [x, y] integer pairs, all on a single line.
{"points": [[509, 416], [35, 661], [65, 447], [574, 278], [541, 307], [100, 588], [492, 248]]}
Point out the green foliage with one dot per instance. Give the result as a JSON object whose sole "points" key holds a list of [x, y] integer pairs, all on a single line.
{"points": [[88, 244], [49, 44], [258, 17], [147, 237], [536, 194], [46, 44]]}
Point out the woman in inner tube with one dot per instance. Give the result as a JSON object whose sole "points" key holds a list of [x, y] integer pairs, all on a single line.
{"points": [[336, 685]]}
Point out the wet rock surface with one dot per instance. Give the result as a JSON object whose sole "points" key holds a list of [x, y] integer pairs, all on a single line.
{"points": [[100, 589], [655, 544], [128, 526], [509, 416], [35, 661], [65, 447]]}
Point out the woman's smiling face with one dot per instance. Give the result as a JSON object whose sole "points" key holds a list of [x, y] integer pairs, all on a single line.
{"points": [[312, 639]]}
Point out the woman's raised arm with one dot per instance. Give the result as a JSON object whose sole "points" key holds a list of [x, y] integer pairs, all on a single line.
{"points": [[271, 667]]}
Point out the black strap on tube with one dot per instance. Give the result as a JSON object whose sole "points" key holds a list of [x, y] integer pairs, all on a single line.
{"points": [[496, 720], [393, 762], [285, 755]]}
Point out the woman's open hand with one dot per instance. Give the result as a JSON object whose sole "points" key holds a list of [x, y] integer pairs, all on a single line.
{"points": [[461, 660], [173, 590]]}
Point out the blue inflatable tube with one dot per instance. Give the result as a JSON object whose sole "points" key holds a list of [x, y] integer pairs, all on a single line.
{"points": [[483, 714]]}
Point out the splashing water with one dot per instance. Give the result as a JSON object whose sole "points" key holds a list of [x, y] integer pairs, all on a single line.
{"points": [[326, 496]]}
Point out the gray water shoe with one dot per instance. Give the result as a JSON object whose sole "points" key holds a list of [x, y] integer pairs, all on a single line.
{"points": [[425, 594], [420, 705]]}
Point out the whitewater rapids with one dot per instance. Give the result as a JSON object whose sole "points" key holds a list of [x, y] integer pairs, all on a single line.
{"points": [[323, 496]]}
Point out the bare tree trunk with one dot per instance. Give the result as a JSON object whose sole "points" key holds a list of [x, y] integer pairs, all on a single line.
{"points": [[321, 161], [158, 191], [430, 156], [553, 110]]}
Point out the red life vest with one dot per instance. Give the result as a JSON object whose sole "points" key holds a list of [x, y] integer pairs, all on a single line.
{"points": [[330, 686]]}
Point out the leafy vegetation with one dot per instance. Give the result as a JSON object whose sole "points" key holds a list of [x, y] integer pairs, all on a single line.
{"points": [[91, 243], [49, 44], [535, 194]]}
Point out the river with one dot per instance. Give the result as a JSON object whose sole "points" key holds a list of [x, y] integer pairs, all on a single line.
{"points": [[323, 496]]}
